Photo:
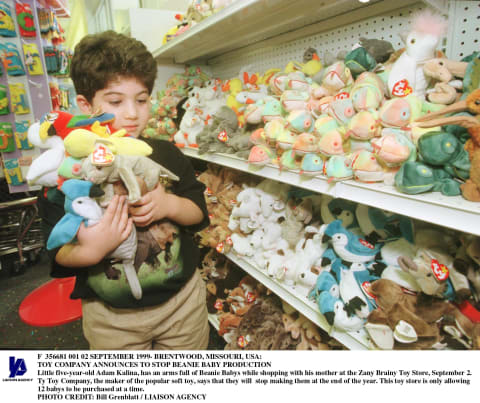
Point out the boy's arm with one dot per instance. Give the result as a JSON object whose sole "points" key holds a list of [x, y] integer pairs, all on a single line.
{"points": [[97, 241], [158, 204], [185, 205]]}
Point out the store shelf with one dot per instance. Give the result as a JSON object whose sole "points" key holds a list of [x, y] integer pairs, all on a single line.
{"points": [[353, 341], [447, 211], [248, 22]]}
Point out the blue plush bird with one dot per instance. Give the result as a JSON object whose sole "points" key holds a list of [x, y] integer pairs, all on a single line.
{"points": [[80, 206], [334, 311], [349, 246], [325, 282], [339, 209], [354, 298], [380, 225]]}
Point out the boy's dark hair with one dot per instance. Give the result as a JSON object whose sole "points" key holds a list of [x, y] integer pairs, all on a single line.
{"points": [[101, 58]]}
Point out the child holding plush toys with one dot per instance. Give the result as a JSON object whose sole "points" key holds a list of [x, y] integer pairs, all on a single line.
{"points": [[115, 74]]}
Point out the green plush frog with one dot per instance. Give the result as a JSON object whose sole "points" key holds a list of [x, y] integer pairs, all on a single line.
{"points": [[415, 177]]}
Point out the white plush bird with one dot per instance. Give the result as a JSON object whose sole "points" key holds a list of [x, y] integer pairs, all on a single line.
{"points": [[43, 170]]}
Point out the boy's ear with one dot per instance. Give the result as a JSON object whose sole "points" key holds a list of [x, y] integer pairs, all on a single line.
{"points": [[84, 105]]}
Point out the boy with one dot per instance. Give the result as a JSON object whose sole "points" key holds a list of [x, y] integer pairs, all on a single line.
{"points": [[115, 74]]}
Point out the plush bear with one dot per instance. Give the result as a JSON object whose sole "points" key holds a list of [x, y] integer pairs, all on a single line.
{"points": [[224, 126]]}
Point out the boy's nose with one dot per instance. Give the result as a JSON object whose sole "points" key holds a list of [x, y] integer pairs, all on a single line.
{"points": [[131, 110]]}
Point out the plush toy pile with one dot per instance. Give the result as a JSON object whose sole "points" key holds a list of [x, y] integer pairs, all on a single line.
{"points": [[252, 318], [356, 118], [408, 284], [166, 111], [196, 12], [222, 188]]}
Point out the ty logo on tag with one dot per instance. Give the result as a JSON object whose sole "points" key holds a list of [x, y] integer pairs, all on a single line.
{"points": [[402, 88]]}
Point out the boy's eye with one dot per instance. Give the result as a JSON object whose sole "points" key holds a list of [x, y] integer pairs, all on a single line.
{"points": [[142, 101], [114, 102]]}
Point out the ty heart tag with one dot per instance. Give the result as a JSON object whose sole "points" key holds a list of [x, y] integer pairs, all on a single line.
{"points": [[402, 88], [223, 136], [102, 156], [440, 271]]}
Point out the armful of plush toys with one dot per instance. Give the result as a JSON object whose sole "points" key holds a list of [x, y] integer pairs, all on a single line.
{"points": [[89, 164]]}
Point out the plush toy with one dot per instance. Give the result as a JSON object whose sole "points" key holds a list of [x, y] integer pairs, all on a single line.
{"points": [[470, 190], [467, 262], [43, 170], [335, 77], [49, 133], [444, 71], [341, 110], [332, 143], [233, 87], [364, 125], [347, 245], [80, 143], [125, 168], [379, 49], [393, 149], [368, 92], [241, 245], [407, 76], [81, 207], [261, 155], [412, 318], [297, 216], [339, 209], [435, 273], [335, 314], [338, 168], [272, 109], [213, 138], [262, 328], [359, 60], [444, 150], [381, 225], [415, 177], [304, 330]]}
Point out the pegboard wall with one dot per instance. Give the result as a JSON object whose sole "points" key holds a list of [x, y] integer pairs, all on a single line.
{"points": [[462, 39], [464, 29]]}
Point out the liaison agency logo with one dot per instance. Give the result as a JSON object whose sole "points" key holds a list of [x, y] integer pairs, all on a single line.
{"points": [[17, 368]]}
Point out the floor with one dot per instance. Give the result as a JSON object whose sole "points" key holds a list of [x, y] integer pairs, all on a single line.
{"points": [[15, 334]]}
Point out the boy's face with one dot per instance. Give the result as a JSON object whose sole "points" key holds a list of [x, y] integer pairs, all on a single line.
{"points": [[127, 98]]}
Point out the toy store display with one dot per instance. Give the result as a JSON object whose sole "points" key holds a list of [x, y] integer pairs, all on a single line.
{"points": [[354, 119], [362, 126], [328, 254], [250, 317]]}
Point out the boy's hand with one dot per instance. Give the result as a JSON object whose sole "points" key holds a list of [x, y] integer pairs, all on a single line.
{"points": [[153, 206], [114, 227]]}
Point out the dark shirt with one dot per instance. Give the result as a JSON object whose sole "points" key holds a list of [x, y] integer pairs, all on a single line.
{"points": [[182, 261]]}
